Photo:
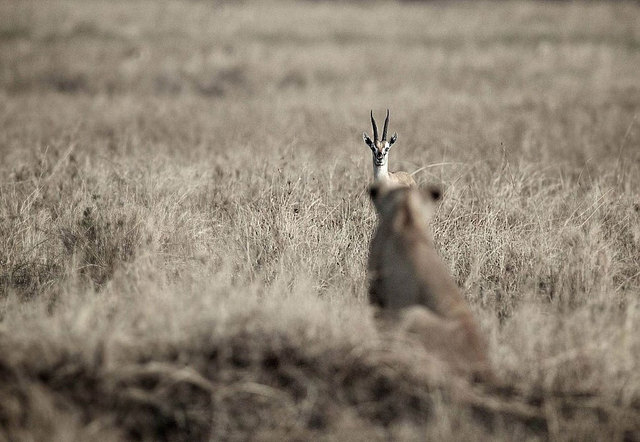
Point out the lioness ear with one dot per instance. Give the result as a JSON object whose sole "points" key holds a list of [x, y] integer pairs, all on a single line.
{"points": [[432, 192], [378, 190], [374, 191]]}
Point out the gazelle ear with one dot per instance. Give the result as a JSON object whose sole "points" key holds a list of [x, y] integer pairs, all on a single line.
{"points": [[393, 139], [367, 140]]}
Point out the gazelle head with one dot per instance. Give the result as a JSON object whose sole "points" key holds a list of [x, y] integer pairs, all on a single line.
{"points": [[379, 147]]}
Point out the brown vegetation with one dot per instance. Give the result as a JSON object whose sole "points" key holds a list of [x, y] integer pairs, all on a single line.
{"points": [[183, 257]]}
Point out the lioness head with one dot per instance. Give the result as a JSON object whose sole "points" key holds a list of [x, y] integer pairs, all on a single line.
{"points": [[404, 205]]}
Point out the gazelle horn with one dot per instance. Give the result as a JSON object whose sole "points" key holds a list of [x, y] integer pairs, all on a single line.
{"points": [[386, 124], [375, 128]]}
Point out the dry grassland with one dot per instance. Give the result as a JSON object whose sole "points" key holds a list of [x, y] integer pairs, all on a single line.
{"points": [[184, 224]]}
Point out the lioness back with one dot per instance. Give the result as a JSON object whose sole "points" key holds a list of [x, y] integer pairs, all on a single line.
{"points": [[406, 275], [404, 266]]}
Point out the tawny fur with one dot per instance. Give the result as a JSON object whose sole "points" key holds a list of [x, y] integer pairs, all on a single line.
{"points": [[402, 179], [408, 280]]}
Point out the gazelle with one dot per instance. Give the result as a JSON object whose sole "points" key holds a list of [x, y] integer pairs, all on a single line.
{"points": [[409, 281], [380, 149]]}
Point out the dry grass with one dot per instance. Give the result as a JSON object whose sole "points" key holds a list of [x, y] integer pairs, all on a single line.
{"points": [[184, 227]]}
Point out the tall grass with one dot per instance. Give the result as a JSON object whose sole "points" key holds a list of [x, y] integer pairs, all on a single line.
{"points": [[184, 224]]}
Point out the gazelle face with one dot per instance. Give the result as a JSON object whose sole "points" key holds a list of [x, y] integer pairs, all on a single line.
{"points": [[379, 147]]}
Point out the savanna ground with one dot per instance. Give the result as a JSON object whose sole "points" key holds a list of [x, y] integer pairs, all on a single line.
{"points": [[184, 220]]}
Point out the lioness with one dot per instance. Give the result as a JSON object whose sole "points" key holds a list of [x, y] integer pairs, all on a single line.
{"points": [[408, 280]]}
